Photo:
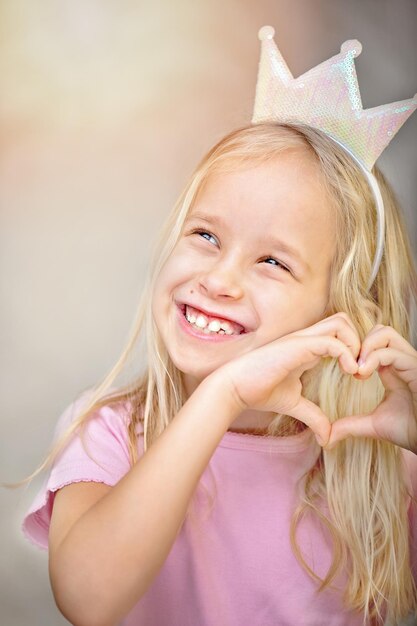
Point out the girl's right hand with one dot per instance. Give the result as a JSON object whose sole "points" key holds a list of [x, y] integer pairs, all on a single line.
{"points": [[268, 378]]}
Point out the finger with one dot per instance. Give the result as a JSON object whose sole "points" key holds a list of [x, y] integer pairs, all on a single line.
{"points": [[404, 364], [331, 346], [367, 425], [339, 326], [352, 426], [385, 337], [311, 415], [345, 316]]}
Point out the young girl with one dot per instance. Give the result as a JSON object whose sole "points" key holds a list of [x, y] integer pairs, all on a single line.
{"points": [[225, 486], [262, 469]]}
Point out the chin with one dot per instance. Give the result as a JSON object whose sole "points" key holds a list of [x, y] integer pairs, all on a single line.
{"points": [[194, 373], [198, 374]]}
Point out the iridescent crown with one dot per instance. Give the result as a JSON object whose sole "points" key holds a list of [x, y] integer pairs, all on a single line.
{"points": [[328, 98]]}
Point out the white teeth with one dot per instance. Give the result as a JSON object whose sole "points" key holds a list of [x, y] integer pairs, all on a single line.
{"points": [[201, 321], [215, 326]]}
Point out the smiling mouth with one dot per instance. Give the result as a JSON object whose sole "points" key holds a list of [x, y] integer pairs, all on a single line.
{"points": [[226, 327]]}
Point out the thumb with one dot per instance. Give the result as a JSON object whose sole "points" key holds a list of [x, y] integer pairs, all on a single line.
{"points": [[311, 415], [351, 426]]}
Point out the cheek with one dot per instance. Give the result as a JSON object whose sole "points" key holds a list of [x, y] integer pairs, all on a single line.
{"points": [[174, 272], [285, 315], [308, 312], [167, 274], [176, 267]]}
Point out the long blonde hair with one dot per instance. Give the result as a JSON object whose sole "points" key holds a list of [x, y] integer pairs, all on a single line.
{"points": [[361, 480]]}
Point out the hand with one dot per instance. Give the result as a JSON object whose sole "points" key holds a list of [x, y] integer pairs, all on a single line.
{"points": [[268, 377], [395, 418]]}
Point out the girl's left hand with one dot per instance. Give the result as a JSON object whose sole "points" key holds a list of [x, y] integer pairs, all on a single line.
{"points": [[395, 418]]}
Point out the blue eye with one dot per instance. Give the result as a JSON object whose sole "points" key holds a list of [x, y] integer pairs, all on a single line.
{"points": [[202, 232], [205, 232], [276, 261]]}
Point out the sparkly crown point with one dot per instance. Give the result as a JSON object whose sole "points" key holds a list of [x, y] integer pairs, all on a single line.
{"points": [[352, 45], [326, 97], [266, 32]]}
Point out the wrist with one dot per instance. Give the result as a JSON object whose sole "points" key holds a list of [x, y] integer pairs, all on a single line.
{"points": [[221, 390]]}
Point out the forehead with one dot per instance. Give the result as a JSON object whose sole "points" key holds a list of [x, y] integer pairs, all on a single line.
{"points": [[286, 190]]}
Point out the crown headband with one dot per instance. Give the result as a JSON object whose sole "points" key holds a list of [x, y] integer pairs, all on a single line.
{"points": [[327, 97]]}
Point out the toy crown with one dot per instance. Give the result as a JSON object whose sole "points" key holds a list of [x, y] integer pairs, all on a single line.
{"points": [[327, 97]]}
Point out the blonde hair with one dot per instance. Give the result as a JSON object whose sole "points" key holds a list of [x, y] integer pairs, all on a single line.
{"points": [[362, 481]]}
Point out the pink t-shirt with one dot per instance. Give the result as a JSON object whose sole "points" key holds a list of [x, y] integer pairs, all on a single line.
{"points": [[236, 566]]}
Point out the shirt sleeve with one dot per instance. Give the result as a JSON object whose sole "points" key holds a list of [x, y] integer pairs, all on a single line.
{"points": [[106, 440]]}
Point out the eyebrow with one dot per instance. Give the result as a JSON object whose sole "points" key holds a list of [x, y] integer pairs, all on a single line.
{"points": [[278, 244]]}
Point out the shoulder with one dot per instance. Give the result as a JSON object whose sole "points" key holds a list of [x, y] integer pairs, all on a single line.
{"points": [[410, 468], [97, 445], [410, 463], [99, 454], [113, 417]]}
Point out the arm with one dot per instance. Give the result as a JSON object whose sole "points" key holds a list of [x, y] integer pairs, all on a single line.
{"points": [[114, 551]]}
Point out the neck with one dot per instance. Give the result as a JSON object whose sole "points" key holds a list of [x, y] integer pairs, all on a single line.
{"points": [[286, 430], [252, 422]]}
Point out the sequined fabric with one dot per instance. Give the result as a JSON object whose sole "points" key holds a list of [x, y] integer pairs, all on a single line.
{"points": [[326, 97]]}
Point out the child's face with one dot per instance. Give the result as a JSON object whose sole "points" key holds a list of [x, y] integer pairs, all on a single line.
{"points": [[229, 271]]}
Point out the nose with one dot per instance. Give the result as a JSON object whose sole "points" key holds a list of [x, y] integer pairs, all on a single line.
{"points": [[223, 279]]}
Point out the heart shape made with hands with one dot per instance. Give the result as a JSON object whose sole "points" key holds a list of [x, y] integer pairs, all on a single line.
{"points": [[395, 419]]}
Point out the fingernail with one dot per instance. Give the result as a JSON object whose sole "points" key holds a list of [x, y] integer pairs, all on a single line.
{"points": [[361, 361]]}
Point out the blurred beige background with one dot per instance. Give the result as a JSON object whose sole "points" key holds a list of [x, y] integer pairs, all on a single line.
{"points": [[106, 108]]}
